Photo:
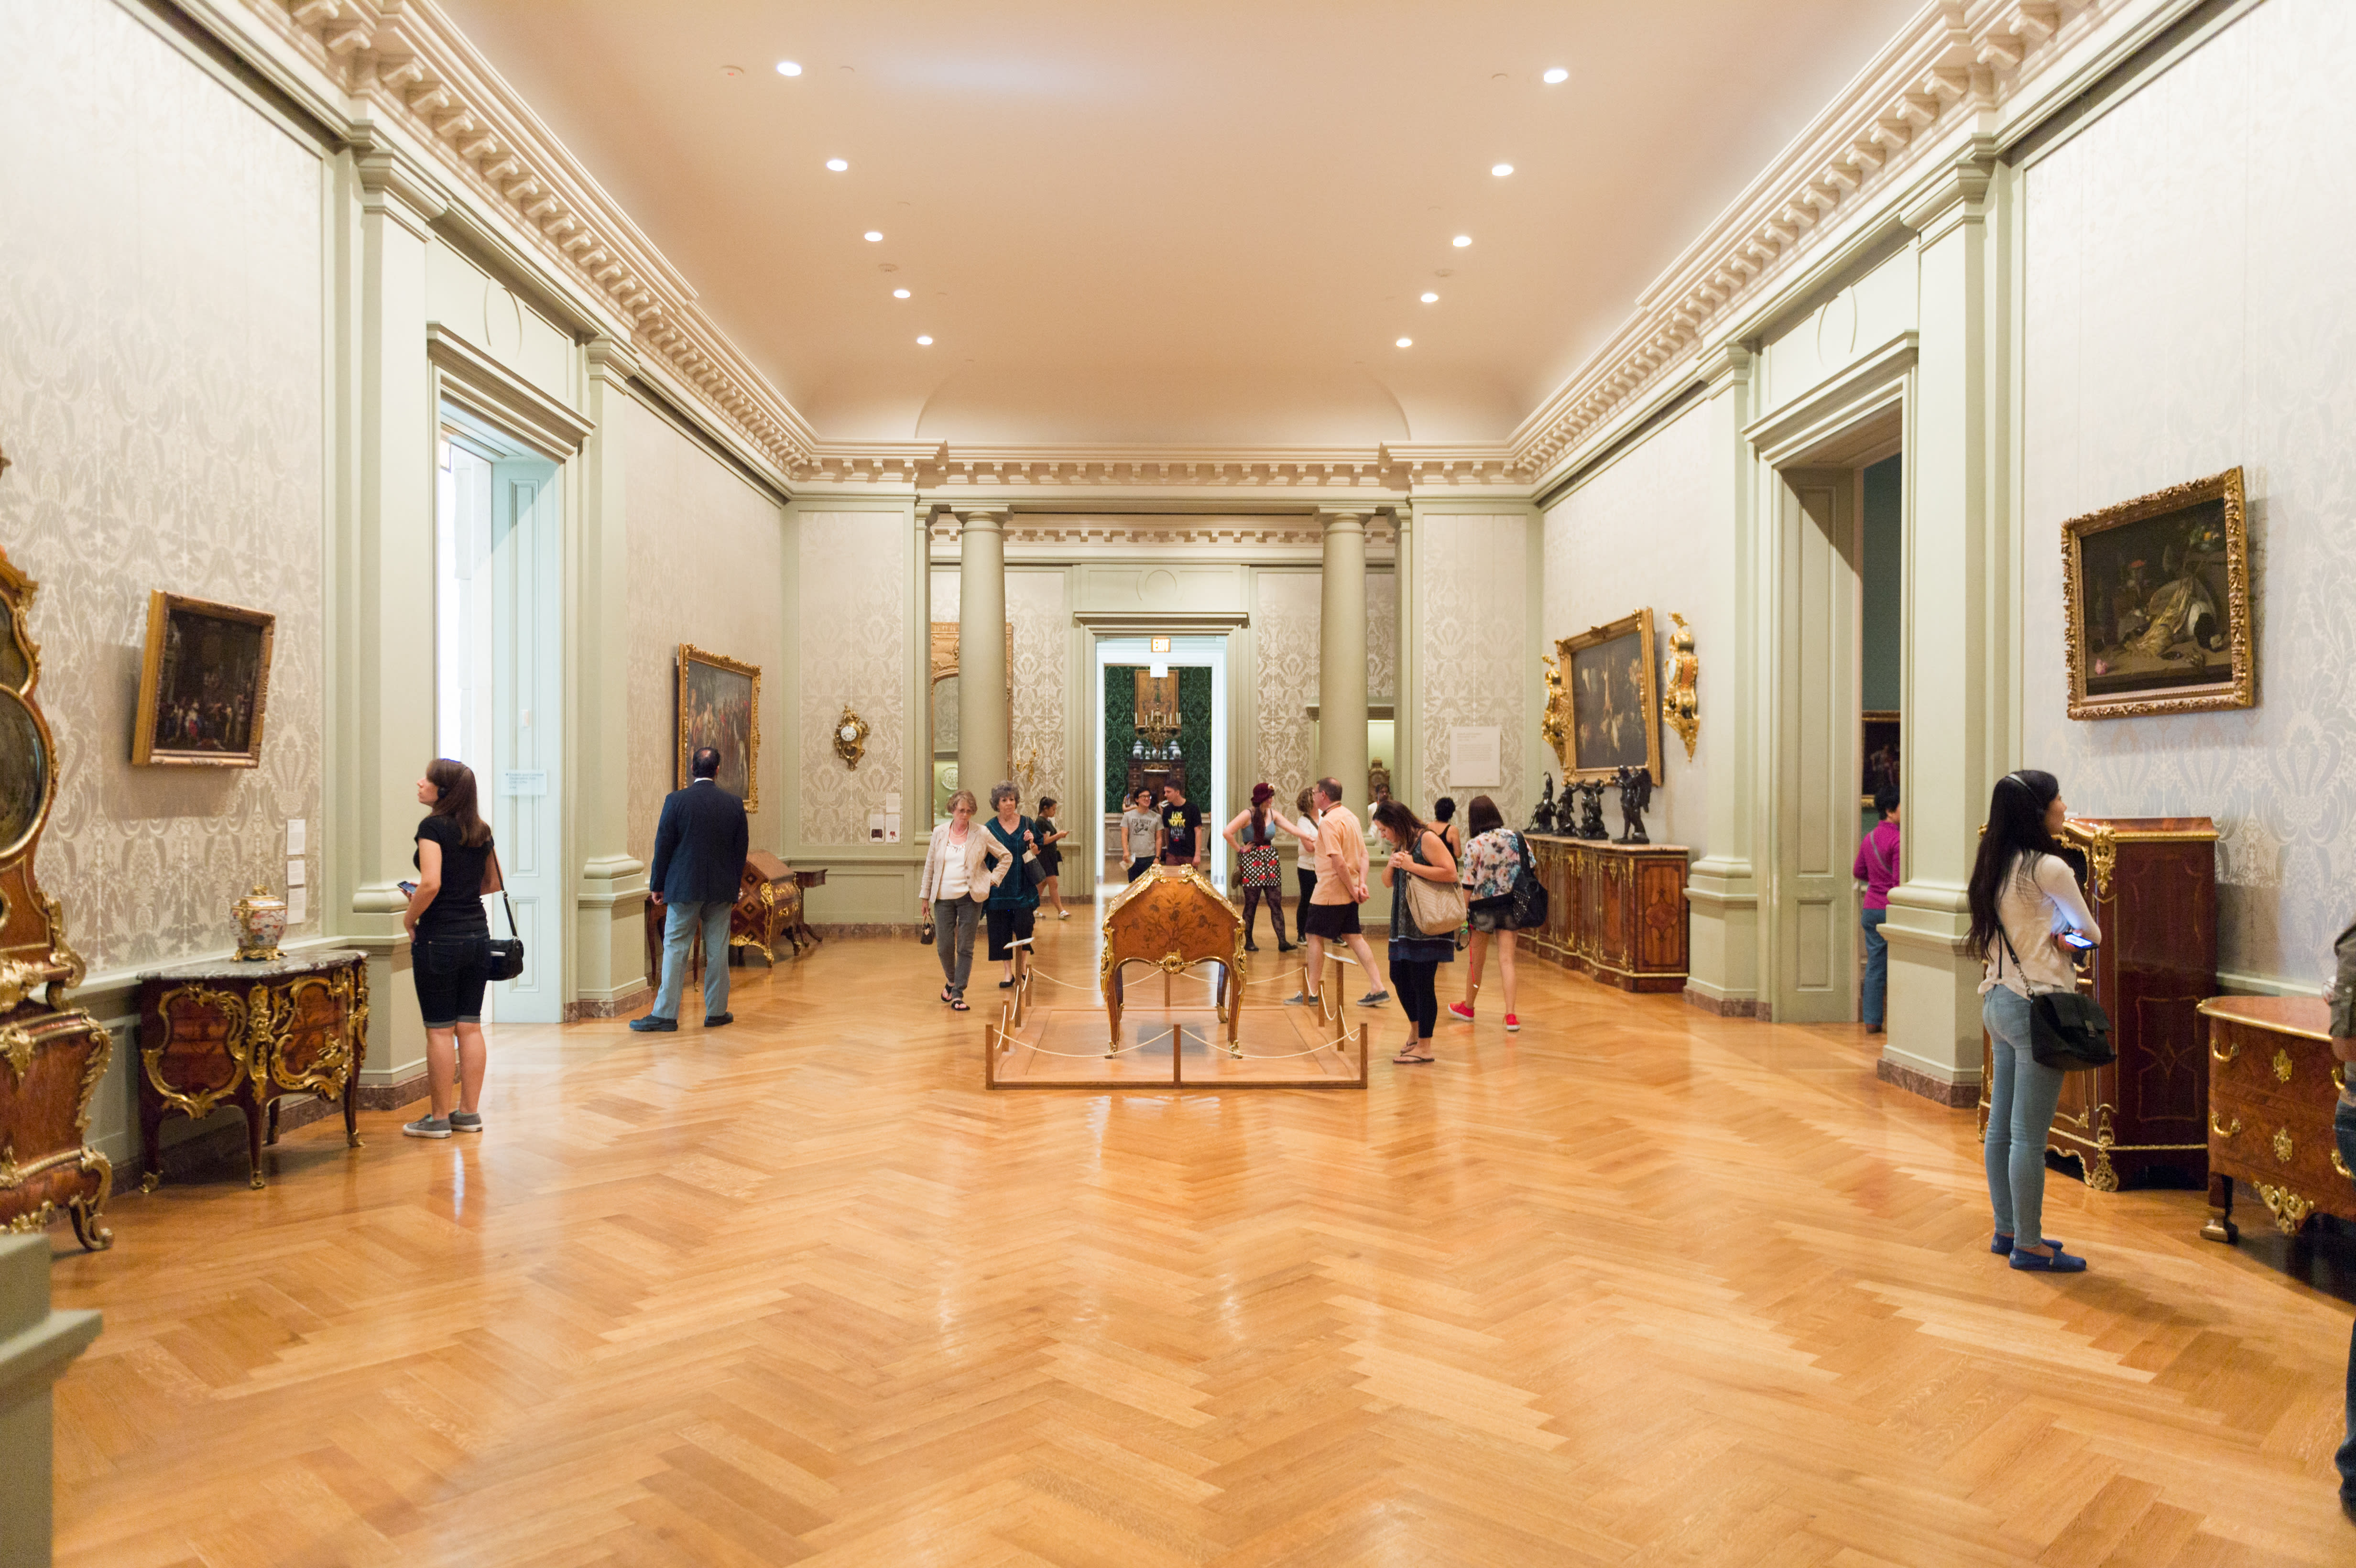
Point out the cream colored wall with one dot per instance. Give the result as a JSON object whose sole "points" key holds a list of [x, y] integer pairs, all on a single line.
{"points": [[487, 312], [2187, 309], [707, 560], [1630, 537], [161, 403], [1286, 607], [1471, 603], [852, 623]]}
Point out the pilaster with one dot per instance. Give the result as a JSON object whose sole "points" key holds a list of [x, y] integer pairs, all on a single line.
{"points": [[1723, 886], [610, 905], [1956, 620]]}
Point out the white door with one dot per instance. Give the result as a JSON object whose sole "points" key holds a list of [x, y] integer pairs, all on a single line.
{"points": [[1817, 762], [524, 783]]}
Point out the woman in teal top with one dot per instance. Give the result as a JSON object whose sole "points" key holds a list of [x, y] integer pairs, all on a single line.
{"points": [[1013, 902]]}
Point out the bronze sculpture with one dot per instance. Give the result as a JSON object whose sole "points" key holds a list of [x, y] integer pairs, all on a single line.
{"points": [[1635, 794], [1590, 810], [1542, 820]]}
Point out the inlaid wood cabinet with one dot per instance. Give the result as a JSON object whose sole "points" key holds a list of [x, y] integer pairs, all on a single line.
{"points": [[2273, 1084], [1616, 911]]}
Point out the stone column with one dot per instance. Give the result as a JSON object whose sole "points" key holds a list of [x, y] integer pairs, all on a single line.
{"points": [[982, 715], [1957, 616], [609, 914], [1723, 886], [1342, 657]]}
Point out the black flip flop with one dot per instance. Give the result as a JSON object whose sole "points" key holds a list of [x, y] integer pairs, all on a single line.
{"points": [[956, 1005]]}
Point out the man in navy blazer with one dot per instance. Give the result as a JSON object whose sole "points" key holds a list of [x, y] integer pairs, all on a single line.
{"points": [[699, 863]]}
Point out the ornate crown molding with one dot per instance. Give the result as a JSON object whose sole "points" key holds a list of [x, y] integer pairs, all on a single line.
{"points": [[1302, 531], [1961, 60]]}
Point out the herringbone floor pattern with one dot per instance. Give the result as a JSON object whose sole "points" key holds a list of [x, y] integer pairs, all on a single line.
{"points": [[1636, 1287]]}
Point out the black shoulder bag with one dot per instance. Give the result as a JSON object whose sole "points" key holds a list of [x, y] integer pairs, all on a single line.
{"points": [[1529, 894], [2068, 1031], [506, 951]]}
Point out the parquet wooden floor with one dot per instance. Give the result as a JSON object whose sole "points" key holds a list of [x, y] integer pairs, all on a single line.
{"points": [[1636, 1287]]}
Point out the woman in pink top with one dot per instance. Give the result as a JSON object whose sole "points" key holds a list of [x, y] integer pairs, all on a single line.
{"points": [[1877, 868]]}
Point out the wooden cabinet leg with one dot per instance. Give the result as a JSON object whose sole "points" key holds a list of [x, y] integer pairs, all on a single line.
{"points": [[253, 1127], [352, 1107], [2220, 1226], [151, 1142]]}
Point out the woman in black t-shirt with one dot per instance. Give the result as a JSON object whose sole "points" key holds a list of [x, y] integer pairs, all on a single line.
{"points": [[450, 945]]}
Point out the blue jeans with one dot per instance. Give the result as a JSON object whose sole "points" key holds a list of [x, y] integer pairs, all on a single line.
{"points": [[1877, 966], [2343, 1125], [678, 934], [2021, 1098]]}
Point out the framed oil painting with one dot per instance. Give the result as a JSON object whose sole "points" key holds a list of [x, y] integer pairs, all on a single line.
{"points": [[2155, 601], [1878, 739], [1612, 696], [204, 686], [720, 706]]}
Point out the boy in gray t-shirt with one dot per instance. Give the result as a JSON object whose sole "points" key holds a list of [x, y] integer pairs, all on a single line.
{"points": [[1140, 826]]}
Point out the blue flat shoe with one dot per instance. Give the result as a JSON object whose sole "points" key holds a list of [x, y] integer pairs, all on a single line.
{"points": [[2059, 1262], [2002, 1244]]}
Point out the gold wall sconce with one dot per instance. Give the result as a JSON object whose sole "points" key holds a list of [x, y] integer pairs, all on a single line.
{"points": [[850, 737]]}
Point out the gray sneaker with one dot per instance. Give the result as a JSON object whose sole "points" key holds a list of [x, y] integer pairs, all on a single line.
{"points": [[465, 1121], [428, 1125], [1374, 999], [1300, 1000]]}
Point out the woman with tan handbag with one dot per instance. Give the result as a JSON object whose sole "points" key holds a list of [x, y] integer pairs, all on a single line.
{"points": [[1420, 870]]}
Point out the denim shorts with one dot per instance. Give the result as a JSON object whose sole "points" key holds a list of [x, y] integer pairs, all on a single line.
{"points": [[451, 973]]}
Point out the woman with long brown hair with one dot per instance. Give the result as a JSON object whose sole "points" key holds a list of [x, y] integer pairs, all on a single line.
{"points": [[450, 945], [1415, 958]]}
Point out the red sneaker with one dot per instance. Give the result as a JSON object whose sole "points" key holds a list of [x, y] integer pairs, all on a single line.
{"points": [[1512, 1024], [1459, 1010]]}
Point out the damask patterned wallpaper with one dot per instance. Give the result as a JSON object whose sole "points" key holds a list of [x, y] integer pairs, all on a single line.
{"points": [[1382, 636], [1042, 676], [853, 625], [1472, 628], [2187, 310], [160, 385], [1624, 541], [685, 505], [1286, 615]]}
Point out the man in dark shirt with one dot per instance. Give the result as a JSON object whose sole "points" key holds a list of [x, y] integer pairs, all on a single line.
{"points": [[1181, 829], [698, 865]]}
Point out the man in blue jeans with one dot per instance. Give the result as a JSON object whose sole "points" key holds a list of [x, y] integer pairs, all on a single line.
{"points": [[2343, 1125], [699, 863]]}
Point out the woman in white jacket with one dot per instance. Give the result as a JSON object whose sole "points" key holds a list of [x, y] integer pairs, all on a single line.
{"points": [[954, 885], [2028, 922]]}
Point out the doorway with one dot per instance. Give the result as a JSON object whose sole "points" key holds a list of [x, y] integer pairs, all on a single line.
{"points": [[1206, 787], [1818, 711], [498, 681]]}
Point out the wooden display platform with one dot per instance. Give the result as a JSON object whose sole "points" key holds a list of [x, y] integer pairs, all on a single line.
{"points": [[1181, 1044]]}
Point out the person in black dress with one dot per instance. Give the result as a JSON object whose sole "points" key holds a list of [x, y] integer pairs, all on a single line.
{"points": [[450, 945], [1051, 859]]}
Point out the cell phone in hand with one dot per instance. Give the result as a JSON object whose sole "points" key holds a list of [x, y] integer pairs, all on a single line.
{"points": [[2072, 939], [408, 889]]}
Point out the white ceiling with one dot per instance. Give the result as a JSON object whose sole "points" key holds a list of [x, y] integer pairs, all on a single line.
{"points": [[1128, 222]]}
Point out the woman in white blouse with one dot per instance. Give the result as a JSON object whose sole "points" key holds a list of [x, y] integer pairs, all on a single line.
{"points": [[953, 887], [2028, 924]]}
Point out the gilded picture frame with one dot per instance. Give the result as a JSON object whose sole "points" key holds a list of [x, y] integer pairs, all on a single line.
{"points": [[204, 683], [720, 706], [2155, 604], [1604, 701]]}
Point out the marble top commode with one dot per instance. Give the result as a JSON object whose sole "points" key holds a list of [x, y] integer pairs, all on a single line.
{"points": [[309, 961]]}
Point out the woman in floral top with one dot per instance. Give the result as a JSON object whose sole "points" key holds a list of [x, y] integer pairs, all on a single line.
{"points": [[1493, 860]]}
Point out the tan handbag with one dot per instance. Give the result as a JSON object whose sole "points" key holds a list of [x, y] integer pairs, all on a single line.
{"points": [[1436, 908]]}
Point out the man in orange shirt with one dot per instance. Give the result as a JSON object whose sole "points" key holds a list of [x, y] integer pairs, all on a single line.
{"points": [[1333, 914]]}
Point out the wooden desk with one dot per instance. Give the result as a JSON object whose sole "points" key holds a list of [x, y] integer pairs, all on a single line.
{"points": [[233, 1033], [2273, 1087]]}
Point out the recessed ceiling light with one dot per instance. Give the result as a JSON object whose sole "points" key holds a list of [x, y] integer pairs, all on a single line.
{"points": [[899, 294], [875, 234], [838, 165], [1430, 298], [732, 70], [1500, 170], [924, 342], [1557, 76], [789, 67], [1407, 343], [1463, 239]]}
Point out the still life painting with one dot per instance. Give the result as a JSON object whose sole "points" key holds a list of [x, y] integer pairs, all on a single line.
{"points": [[720, 706], [2156, 599], [203, 685]]}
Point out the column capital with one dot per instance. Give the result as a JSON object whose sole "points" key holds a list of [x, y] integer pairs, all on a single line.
{"points": [[609, 358], [992, 517], [1726, 365], [1331, 518], [394, 185], [1951, 194]]}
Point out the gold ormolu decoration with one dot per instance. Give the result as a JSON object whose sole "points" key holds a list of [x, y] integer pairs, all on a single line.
{"points": [[2102, 858], [850, 737], [2282, 1066], [54, 1055], [1679, 702], [2233, 1049], [2282, 1146], [1172, 918], [2289, 1209], [2218, 1129], [2341, 1165], [2239, 688]]}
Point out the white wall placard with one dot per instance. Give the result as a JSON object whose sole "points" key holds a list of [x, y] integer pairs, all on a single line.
{"points": [[1476, 757], [892, 825], [524, 781], [294, 873], [892, 803], [875, 827], [298, 905], [294, 834]]}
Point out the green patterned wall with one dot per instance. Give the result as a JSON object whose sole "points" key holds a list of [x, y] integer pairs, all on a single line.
{"points": [[1121, 728]]}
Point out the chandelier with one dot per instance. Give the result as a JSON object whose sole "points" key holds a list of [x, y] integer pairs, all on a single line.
{"points": [[1157, 735]]}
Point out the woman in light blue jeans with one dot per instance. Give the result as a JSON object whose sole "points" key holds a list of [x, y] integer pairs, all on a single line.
{"points": [[2028, 922]]}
